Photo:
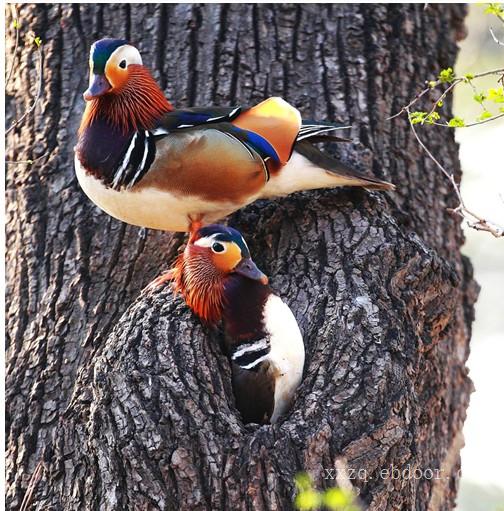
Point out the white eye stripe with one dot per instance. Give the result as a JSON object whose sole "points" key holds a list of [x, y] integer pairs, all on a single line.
{"points": [[207, 241], [126, 52], [217, 246], [91, 53]]}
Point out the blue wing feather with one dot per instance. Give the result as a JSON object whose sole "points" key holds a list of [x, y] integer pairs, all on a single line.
{"points": [[257, 143]]}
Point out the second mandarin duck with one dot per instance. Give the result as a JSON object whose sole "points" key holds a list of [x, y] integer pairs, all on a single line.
{"points": [[219, 281]]}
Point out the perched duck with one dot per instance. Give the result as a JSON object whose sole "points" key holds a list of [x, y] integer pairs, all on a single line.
{"points": [[147, 164], [219, 282]]}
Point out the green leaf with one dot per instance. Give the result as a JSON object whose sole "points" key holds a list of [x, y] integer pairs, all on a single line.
{"points": [[307, 500], [485, 115], [440, 103], [468, 76], [479, 98], [456, 122], [16, 24], [446, 75], [496, 95], [37, 41], [432, 84], [336, 498], [501, 109], [496, 10], [339, 499], [432, 118], [417, 117]]}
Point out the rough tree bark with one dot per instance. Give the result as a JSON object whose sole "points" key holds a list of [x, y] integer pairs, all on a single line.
{"points": [[119, 401]]}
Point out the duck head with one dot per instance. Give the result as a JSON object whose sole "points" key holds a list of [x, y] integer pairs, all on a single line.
{"points": [[214, 254], [121, 89]]}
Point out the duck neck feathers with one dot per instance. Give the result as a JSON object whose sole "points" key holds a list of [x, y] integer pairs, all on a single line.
{"points": [[243, 308], [137, 105], [202, 287]]}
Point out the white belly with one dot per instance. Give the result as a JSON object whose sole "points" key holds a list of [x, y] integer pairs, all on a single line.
{"points": [[298, 174], [150, 207], [287, 352]]}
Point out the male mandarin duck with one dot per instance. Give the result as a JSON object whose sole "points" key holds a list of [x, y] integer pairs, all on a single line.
{"points": [[219, 282], [149, 165]]}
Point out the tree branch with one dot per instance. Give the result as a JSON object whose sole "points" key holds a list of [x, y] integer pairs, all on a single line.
{"points": [[494, 37], [16, 123], [474, 221], [16, 26], [27, 162], [455, 82]]}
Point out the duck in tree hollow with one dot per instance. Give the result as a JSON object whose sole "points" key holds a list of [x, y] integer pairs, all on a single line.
{"points": [[219, 282]]}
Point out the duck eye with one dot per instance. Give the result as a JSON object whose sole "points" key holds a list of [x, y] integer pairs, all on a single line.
{"points": [[218, 248], [122, 64]]}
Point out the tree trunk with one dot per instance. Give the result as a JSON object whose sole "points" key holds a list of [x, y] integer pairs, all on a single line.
{"points": [[117, 400]]}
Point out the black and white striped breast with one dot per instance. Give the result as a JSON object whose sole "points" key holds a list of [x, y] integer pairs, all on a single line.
{"points": [[117, 159], [248, 355], [136, 160]]}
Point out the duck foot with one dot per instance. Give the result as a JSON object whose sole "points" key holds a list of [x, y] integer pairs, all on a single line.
{"points": [[195, 224]]}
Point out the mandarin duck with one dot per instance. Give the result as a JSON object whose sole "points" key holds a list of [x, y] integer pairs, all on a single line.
{"points": [[219, 282], [147, 164]]}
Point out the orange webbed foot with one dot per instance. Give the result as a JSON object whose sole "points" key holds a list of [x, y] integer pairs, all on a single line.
{"points": [[195, 224]]}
